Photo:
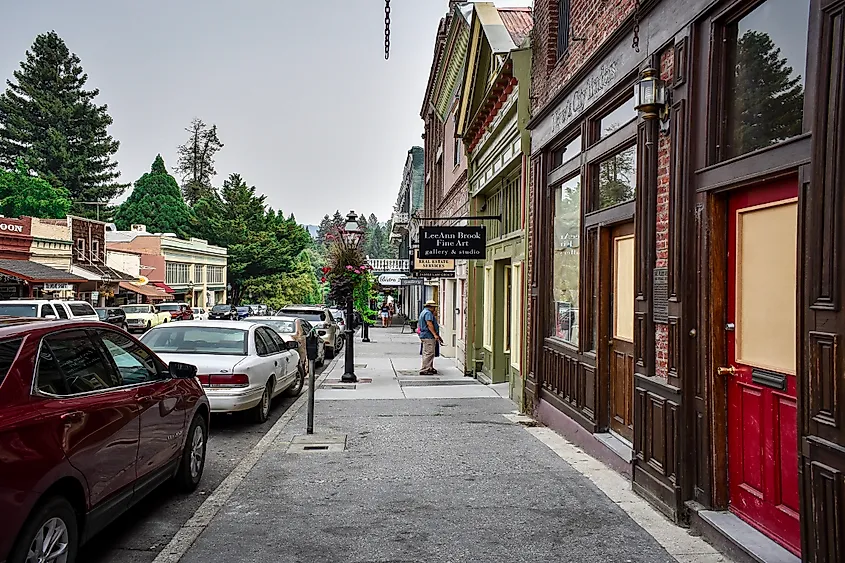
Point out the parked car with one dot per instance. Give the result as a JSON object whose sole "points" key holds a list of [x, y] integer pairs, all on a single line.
{"points": [[242, 366], [200, 313], [340, 318], [91, 421], [321, 318], [48, 309], [260, 309], [221, 312], [292, 328], [178, 311], [113, 315], [144, 316], [244, 312]]}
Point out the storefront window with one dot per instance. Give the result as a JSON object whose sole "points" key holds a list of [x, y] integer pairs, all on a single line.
{"points": [[614, 120], [566, 260], [567, 152], [617, 178], [765, 91]]}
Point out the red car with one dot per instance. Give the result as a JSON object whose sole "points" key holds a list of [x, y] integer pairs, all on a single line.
{"points": [[90, 422], [178, 311]]}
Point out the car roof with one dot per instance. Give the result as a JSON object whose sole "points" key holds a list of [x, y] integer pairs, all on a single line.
{"points": [[274, 318], [304, 307], [240, 325], [19, 326]]}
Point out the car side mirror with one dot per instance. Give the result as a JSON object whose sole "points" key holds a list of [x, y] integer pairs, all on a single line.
{"points": [[178, 370], [291, 345], [49, 317]]}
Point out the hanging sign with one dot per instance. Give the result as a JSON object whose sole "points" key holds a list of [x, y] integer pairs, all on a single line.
{"points": [[391, 279], [58, 287], [432, 264], [461, 243]]}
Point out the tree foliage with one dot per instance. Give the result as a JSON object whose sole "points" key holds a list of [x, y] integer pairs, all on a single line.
{"points": [[156, 202], [196, 160], [24, 194], [49, 119]]}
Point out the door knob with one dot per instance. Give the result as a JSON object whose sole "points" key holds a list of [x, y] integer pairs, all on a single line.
{"points": [[730, 370]]}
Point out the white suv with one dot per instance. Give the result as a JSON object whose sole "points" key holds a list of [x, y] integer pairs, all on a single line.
{"points": [[49, 309]]}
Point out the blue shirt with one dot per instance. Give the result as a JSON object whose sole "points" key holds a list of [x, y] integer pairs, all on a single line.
{"points": [[427, 315]]}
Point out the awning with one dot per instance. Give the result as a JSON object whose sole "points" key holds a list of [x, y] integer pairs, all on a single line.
{"points": [[163, 286], [34, 272], [146, 291], [97, 272]]}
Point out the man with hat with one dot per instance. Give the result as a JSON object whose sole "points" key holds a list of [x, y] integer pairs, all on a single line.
{"points": [[429, 332]]}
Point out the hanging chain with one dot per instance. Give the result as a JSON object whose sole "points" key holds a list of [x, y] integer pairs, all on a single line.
{"points": [[636, 43], [386, 29]]}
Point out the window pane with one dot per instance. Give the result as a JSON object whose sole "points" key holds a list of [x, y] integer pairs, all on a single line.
{"points": [[133, 362], [8, 353], [617, 178], [614, 120], [49, 378], [81, 361], [173, 339], [765, 95], [567, 152], [566, 260]]}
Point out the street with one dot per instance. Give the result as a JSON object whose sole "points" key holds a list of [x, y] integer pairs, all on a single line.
{"points": [[139, 535]]}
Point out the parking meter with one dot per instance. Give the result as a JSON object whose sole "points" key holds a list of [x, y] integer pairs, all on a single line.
{"points": [[311, 349], [311, 346]]}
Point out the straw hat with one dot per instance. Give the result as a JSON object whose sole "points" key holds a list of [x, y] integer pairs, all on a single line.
{"points": [[431, 303]]}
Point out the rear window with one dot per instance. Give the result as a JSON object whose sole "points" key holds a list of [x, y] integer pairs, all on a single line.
{"points": [[221, 308], [18, 310], [103, 314], [81, 309], [61, 311], [174, 339], [314, 316], [168, 307], [285, 327], [8, 352]]}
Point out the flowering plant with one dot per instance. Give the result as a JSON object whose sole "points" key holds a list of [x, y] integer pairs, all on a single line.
{"points": [[349, 276]]}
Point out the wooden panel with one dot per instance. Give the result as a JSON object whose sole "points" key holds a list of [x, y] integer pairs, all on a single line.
{"points": [[827, 487], [825, 390], [674, 350], [588, 386], [677, 185]]}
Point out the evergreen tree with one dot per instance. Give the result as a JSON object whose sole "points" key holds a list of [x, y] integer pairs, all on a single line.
{"points": [[323, 229], [157, 203], [196, 160], [768, 104], [49, 120], [338, 221], [24, 194]]}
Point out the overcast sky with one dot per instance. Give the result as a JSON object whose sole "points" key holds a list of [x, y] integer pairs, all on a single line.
{"points": [[307, 107]]}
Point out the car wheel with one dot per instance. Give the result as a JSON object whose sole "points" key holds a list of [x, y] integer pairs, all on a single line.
{"points": [[50, 534], [295, 389], [261, 412], [193, 456], [149, 325]]}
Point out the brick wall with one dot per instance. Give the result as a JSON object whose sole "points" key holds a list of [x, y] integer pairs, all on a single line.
{"points": [[662, 231], [591, 20]]}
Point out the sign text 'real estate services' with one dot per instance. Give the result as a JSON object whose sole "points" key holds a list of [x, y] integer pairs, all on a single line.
{"points": [[461, 243]]}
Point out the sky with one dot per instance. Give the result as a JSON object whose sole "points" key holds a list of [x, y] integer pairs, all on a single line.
{"points": [[305, 104]]}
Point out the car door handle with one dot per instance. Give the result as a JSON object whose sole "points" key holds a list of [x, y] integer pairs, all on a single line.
{"points": [[75, 416]]}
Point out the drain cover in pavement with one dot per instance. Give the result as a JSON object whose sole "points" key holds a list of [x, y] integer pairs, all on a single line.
{"points": [[338, 386], [315, 443], [340, 382], [431, 383]]}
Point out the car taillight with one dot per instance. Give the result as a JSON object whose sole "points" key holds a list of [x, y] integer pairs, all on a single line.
{"points": [[224, 380]]}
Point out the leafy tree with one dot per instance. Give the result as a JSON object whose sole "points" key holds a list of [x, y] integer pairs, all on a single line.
{"points": [[196, 160], [24, 194], [616, 178], [768, 104], [157, 203], [49, 119]]}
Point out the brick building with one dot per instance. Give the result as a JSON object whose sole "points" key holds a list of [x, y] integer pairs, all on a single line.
{"points": [[685, 257]]}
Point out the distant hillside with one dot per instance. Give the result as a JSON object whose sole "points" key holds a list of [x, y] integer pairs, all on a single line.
{"points": [[312, 230]]}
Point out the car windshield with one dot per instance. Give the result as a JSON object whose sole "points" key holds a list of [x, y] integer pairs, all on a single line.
{"points": [[102, 313], [313, 316], [243, 309], [128, 309], [169, 307], [221, 309], [18, 310], [176, 339], [279, 325]]}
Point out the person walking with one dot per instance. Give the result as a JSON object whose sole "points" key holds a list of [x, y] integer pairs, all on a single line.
{"points": [[384, 314], [429, 332]]}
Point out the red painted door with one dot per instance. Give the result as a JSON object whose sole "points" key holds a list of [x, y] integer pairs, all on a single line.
{"points": [[762, 407]]}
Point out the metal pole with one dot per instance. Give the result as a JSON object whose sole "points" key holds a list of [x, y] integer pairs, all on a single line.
{"points": [[312, 366], [366, 332], [349, 371]]}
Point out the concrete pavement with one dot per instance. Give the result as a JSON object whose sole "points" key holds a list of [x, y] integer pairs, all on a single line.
{"points": [[407, 468]]}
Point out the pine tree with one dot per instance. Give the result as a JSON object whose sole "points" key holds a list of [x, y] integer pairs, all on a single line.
{"points": [[768, 103], [49, 120], [157, 203], [196, 160], [338, 221], [324, 229], [21, 193]]}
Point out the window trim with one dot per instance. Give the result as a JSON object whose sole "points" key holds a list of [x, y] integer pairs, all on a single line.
{"points": [[564, 40], [593, 190]]}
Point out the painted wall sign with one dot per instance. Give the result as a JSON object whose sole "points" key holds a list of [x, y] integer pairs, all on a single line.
{"points": [[432, 263], [391, 279], [453, 242], [11, 228], [430, 274]]}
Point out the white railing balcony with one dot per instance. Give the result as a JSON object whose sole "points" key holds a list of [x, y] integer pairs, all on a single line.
{"points": [[400, 219], [389, 265]]}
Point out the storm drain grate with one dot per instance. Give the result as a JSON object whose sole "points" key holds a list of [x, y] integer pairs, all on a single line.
{"points": [[338, 386], [434, 383], [340, 382], [315, 443]]}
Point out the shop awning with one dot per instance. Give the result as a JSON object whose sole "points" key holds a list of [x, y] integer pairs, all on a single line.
{"points": [[146, 291], [34, 272], [164, 286], [98, 272]]}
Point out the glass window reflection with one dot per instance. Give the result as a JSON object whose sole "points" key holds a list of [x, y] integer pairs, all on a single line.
{"points": [[566, 260], [617, 178]]}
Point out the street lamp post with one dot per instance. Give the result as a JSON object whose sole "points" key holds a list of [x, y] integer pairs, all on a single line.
{"points": [[352, 235]]}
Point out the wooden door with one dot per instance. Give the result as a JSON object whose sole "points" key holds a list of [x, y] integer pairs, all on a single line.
{"points": [[762, 406], [622, 332]]}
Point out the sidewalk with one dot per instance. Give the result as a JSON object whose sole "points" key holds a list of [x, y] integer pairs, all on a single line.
{"points": [[435, 471]]}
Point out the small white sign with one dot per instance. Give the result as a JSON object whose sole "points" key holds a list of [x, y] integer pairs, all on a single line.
{"points": [[391, 279], [58, 287]]}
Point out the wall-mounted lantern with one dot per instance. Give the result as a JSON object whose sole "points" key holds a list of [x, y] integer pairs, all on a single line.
{"points": [[651, 98]]}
